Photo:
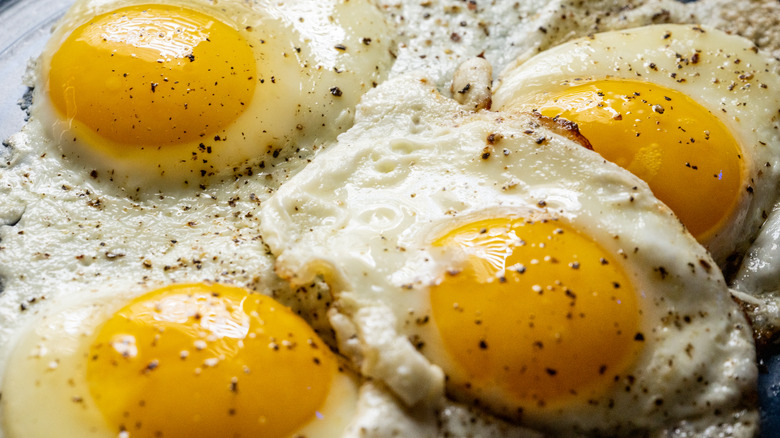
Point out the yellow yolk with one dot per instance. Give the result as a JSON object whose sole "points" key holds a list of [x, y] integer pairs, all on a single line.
{"points": [[685, 153], [152, 75], [209, 361], [537, 312]]}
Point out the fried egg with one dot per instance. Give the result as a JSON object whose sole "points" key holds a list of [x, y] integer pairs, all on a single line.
{"points": [[485, 256], [180, 361], [168, 93], [689, 109]]}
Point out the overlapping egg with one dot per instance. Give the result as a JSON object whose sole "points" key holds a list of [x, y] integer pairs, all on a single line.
{"points": [[692, 111], [181, 361], [490, 255], [168, 93]]}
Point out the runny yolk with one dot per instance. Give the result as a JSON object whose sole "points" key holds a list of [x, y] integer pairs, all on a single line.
{"points": [[537, 312], [152, 75], [686, 154], [208, 361]]}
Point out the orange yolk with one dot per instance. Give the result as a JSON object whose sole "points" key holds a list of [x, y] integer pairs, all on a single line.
{"points": [[152, 75], [537, 311], [686, 154], [208, 361]]}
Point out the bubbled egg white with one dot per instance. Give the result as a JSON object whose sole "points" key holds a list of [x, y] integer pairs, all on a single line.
{"points": [[172, 93], [689, 109], [549, 286]]}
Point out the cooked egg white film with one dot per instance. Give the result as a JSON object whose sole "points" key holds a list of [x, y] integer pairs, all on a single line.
{"points": [[185, 360], [686, 108]]}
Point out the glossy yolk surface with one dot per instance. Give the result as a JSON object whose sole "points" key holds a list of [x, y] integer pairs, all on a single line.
{"points": [[536, 310], [208, 361], [152, 75], [686, 154]]}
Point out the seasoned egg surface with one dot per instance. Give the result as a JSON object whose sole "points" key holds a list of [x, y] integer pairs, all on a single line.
{"points": [[176, 92], [437, 36], [65, 226], [487, 254], [181, 361], [689, 109]]}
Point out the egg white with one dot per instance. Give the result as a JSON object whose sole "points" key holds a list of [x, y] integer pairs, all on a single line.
{"points": [[437, 36]]}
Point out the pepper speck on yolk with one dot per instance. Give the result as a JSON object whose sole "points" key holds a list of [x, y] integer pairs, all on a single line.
{"points": [[208, 360], [686, 154], [536, 311], [152, 76]]}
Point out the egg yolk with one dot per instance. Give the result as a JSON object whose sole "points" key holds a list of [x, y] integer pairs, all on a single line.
{"points": [[152, 75], [536, 311], [686, 154], [208, 361]]}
